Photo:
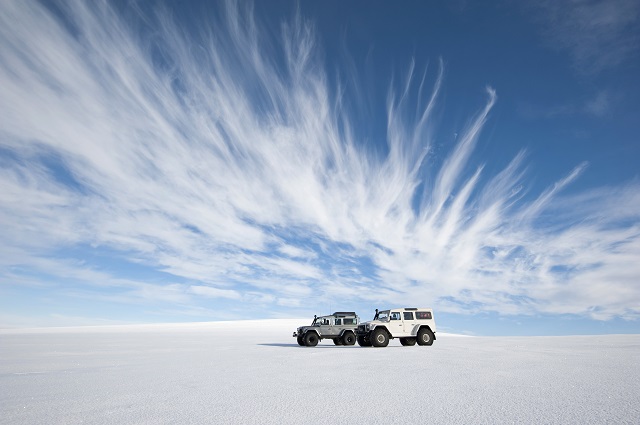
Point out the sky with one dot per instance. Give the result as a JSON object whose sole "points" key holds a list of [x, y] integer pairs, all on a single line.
{"points": [[200, 161]]}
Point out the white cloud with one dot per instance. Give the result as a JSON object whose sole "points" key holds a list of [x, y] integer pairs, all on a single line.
{"points": [[600, 105], [243, 180], [215, 292], [598, 34]]}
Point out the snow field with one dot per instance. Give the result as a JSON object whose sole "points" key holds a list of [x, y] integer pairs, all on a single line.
{"points": [[254, 372]]}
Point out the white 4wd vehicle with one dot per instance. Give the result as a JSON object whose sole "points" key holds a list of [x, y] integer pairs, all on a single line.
{"points": [[411, 325]]}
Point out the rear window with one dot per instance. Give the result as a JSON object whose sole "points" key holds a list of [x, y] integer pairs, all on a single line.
{"points": [[423, 315]]}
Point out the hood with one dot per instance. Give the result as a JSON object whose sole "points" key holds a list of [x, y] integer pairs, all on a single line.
{"points": [[373, 322]]}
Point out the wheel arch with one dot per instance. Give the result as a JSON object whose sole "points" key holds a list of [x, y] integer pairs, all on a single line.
{"points": [[430, 330], [344, 331], [315, 332], [384, 328]]}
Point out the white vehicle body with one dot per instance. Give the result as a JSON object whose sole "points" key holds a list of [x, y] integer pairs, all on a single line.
{"points": [[410, 325]]}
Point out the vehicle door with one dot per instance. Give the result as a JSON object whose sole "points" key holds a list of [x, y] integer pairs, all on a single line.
{"points": [[337, 327], [396, 324], [410, 324], [326, 327]]}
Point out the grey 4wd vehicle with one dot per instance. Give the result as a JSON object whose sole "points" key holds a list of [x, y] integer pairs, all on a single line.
{"points": [[411, 325], [339, 326]]}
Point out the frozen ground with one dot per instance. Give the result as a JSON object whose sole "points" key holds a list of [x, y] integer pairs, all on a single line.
{"points": [[255, 373]]}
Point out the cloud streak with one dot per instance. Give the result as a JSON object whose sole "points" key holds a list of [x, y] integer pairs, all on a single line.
{"points": [[228, 169], [597, 34]]}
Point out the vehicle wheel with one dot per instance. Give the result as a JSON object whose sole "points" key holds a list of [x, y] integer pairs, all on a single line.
{"points": [[425, 337], [363, 341], [348, 338], [300, 339], [410, 341], [380, 338], [310, 339], [337, 341]]}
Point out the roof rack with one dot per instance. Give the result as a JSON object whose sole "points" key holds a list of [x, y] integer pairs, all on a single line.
{"points": [[344, 313], [411, 308]]}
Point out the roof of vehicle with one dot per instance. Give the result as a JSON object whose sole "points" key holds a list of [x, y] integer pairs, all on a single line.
{"points": [[408, 308], [344, 313]]}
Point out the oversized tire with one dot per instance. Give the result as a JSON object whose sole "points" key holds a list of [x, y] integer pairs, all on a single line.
{"points": [[425, 337], [407, 342], [337, 341], [348, 338], [300, 340], [379, 338], [310, 339], [363, 341]]}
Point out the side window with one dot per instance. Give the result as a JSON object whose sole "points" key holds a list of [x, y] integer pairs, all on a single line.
{"points": [[408, 315], [348, 321], [395, 316], [423, 315], [338, 322]]}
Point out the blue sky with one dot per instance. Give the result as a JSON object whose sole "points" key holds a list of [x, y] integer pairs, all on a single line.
{"points": [[196, 161]]}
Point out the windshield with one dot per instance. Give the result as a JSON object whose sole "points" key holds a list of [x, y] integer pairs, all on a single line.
{"points": [[383, 315], [321, 321]]}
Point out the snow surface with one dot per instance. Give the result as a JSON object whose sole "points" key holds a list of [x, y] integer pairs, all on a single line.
{"points": [[254, 372]]}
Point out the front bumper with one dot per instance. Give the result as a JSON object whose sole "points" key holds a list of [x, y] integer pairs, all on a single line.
{"points": [[362, 330]]}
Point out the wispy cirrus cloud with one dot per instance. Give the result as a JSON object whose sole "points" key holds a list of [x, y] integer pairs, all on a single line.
{"points": [[223, 168], [597, 34], [599, 105]]}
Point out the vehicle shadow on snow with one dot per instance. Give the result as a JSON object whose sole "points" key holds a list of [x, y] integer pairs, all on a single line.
{"points": [[344, 347], [298, 346]]}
